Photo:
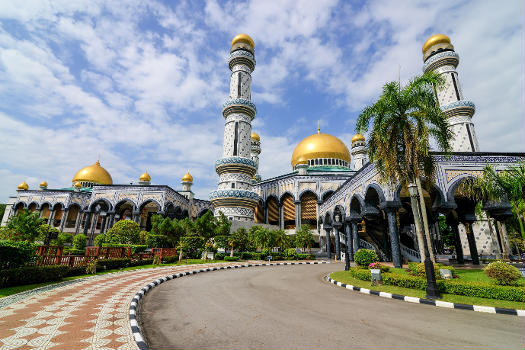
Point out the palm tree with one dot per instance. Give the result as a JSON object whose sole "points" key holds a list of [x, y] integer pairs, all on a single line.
{"points": [[508, 184], [403, 121]]}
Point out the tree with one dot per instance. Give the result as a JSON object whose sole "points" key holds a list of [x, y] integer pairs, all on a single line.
{"points": [[304, 238], [48, 234], [263, 237], [282, 239], [238, 239], [497, 186], [165, 227], [79, 241], [206, 227], [404, 119], [23, 227], [223, 225], [124, 232]]}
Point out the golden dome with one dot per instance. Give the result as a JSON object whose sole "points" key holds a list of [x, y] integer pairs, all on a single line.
{"points": [[187, 177], [43, 184], [255, 136], [23, 186], [319, 146], [145, 177], [93, 173], [243, 38], [77, 184], [434, 40], [358, 137]]}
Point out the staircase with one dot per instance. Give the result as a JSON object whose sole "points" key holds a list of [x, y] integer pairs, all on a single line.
{"points": [[367, 245], [410, 254]]}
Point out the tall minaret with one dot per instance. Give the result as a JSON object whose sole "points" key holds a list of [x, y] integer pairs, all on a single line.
{"points": [[236, 168], [256, 150], [439, 56], [358, 151]]}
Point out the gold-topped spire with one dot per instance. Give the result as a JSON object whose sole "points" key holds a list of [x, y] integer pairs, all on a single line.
{"points": [[23, 186], [318, 128], [434, 40], [243, 38], [187, 177], [358, 137], [145, 177], [255, 136]]}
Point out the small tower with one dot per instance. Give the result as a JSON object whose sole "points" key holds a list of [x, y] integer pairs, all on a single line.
{"points": [[359, 151], [77, 186], [43, 185], [187, 182], [145, 179], [439, 56], [234, 197], [256, 150]]}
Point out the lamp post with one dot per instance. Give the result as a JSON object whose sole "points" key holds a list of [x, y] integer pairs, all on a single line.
{"points": [[432, 290], [337, 226]]}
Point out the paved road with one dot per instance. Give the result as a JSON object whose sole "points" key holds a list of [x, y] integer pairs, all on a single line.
{"points": [[291, 307]]}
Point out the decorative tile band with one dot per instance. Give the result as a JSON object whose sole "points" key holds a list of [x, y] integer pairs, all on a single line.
{"points": [[239, 101], [439, 303], [439, 56], [236, 160], [234, 194], [459, 104], [242, 53], [133, 323]]}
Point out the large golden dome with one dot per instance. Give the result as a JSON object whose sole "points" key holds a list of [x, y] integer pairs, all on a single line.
{"points": [[93, 173], [320, 146]]}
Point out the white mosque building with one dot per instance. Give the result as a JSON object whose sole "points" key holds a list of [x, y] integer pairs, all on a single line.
{"points": [[343, 201]]}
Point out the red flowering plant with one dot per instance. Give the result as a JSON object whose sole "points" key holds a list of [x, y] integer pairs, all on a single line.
{"points": [[379, 266]]}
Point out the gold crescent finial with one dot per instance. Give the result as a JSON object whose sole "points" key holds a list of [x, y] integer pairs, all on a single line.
{"points": [[318, 128]]}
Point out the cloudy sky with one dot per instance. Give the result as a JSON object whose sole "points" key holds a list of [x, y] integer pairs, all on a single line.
{"points": [[141, 83]]}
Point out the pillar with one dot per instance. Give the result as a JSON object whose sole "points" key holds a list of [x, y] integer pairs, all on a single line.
{"points": [[281, 216], [394, 238], [63, 220], [266, 213], [349, 256], [328, 249], [472, 243], [136, 216], [50, 218], [457, 240], [103, 224], [87, 224], [297, 214], [78, 221], [337, 243], [355, 236]]}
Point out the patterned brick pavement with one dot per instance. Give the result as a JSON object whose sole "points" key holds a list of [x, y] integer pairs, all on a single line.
{"points": [[91, 314]]}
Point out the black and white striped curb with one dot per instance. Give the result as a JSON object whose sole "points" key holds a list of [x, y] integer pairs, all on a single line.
{"points": [[136, 299], [439, 303]]}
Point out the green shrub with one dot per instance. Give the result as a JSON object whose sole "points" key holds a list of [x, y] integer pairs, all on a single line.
{"points": [[73, 251], [471, 289], [290, 254], [15, 254], [265, 253], [111, 264], [158, 241], [364, 257], [141, 262], [220, 256], [418, 269], [31, 274], [124, 232], [76, 271], [170, 259], [231, 258], [79, 241], [100, 240], [502, 273], [91, 267]]}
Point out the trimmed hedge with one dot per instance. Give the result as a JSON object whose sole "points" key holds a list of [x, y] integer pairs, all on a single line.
{"points": [[31, 274], [364, 257], [135, 248], [231, 258], [471, 289], [15, 254]]}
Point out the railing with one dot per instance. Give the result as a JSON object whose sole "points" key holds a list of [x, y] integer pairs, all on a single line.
{"points": [[410, 254], [367, 245]]}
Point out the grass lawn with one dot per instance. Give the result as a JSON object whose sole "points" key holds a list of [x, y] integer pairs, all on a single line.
{"points": [[18, 289], [344, 277], [478, 275]]}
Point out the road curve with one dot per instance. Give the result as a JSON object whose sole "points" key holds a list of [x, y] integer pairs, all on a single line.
{"points": [[292, 307]]}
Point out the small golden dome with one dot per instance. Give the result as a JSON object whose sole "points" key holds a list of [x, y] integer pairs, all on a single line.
{"points": [[358, 137], [93, 173], [187, 177], [145, 177], [43, 184], [434, 40], [319, 146], [255, 136], [243, 38], [77, 184], [23, 186]]}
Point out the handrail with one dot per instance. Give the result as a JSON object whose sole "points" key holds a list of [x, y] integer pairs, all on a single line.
{"points": [[410, 254]]}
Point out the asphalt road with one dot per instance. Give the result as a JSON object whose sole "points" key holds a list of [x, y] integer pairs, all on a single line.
{"points": [[292, 307]]}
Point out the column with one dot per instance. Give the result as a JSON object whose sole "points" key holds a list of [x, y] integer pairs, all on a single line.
{"points": [[457, 240], [328, 249], [472, 243], [136, 216], [394, 238], [50, 218], [78, 221], [349, 256], [103, 224], [63, 220], [266, 213], [87, 224], [337, 244], [92, 229], [355, 236], [111, 219], [281, 218], [297, 214]]}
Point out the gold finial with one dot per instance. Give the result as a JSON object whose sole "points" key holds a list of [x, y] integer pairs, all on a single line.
{"points": [[318, 128]]}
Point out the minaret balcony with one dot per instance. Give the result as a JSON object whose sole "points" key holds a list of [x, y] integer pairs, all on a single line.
{"points": [[241, 57], [441, 59], [239, 105], [236, 165], [461, 107]]}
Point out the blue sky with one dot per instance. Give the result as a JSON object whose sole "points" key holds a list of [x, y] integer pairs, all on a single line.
{"points": [[141, 83]]}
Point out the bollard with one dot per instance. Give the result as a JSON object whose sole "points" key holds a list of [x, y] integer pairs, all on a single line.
{"points": [[376, 277]]}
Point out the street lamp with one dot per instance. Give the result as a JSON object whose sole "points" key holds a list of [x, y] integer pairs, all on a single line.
{"points": [[432, 289]]}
